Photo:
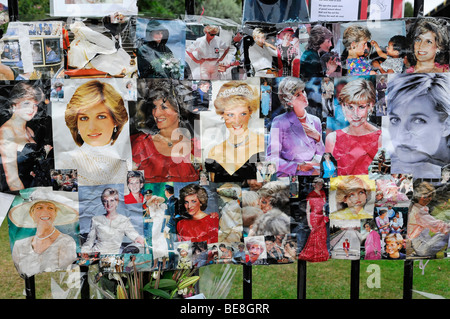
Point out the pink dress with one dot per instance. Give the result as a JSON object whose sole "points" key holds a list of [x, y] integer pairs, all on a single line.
{"points": [[355, 153], [373, 246], [316, 249]]}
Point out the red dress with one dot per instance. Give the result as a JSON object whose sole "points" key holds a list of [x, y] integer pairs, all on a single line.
{"points": [[129, 199], [159, 168], [205, 229], [316, 249], [355, 153]]}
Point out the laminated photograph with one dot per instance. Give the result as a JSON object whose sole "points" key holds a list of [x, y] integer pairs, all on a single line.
{"points": [[91, 8]]}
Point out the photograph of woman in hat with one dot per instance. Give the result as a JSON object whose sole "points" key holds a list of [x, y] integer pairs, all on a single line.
{"points": [[196, 225], [108, 230], [96, 118], [352, 194], [155, 59], [25, 156], [288, 53], [163, 146], [235, 158], [49, 249]]}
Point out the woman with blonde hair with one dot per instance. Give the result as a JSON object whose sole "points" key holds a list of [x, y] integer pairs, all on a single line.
{"points": [[418, 123], [428, 235], [49, 249], [355, 146], [235, 158], [95, 116], [295, 142], [352, 194], [108, 230], [355, 40]]}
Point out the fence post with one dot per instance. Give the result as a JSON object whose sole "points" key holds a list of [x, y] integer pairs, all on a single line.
{"points": [[247, 282], [354, 279], [30, 288], [301, 279], [85, 292], [13, 10], [408, 272]]}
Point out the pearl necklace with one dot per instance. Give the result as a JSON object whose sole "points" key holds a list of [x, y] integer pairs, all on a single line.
{"points": [[42, 238]]}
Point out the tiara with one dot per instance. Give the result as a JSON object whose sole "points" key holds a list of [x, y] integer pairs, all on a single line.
{"points": [[240, 90]]}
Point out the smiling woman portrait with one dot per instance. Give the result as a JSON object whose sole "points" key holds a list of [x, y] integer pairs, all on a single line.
{"points": [[235, 158], [164, 147], [95, 116], [418, 128], [196, 226], [352, 194], [49, 249], [429, 38]]}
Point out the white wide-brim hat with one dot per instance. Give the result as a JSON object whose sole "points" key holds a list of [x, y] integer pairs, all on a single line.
{"points": [[20, 214]]}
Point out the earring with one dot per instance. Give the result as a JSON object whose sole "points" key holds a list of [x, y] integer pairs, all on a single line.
{"points": [[115, 129]]}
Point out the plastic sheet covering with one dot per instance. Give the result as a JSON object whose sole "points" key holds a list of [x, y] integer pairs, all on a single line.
{"points": [[338, 150]]}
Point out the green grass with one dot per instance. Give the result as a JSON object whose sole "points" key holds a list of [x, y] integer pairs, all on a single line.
{"points": [[327, 280]]}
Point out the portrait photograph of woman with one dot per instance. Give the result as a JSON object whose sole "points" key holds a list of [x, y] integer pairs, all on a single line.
{"points": [[232, 135], [350, 197], [160, 52], [416, 130], [162, 140], [428, 39], [26, 146], [355, 145], [107, 224], [197, 222], [43, 226], [295, 143], [95, 137]]}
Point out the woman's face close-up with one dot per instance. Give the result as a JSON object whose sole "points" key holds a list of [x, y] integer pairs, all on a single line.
{"points": [[356, 113], [26, 108], [110, 203], [425, 46], [361, 47], [237, 118], [165, 115], [95, 125], [135, 185], [326, 45], [299, 101], [416, 130], [264, 204], [44, 213], [157, 35], [356, 198], [192, 204]]}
